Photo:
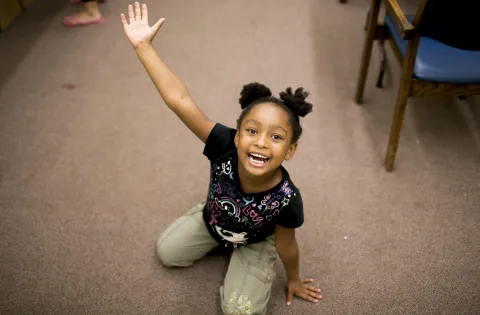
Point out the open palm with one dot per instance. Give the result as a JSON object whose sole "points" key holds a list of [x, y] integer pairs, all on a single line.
{"points": [[137, 29]]}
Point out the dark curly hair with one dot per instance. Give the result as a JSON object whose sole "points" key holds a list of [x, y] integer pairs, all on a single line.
{"points": [[293, 103]]}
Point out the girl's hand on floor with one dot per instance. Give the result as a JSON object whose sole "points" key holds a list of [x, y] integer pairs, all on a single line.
{"points": [[137, 29], [303, 290]]}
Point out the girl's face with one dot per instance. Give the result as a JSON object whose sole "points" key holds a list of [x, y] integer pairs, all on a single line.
{"points": [[263, 140]]}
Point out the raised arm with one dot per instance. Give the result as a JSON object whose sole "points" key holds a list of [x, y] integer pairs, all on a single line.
{"points": [[171, 89]]}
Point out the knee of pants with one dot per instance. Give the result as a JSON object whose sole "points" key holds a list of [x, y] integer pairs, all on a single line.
{"points": [[242, 304], [248, 291], [166, 254]]}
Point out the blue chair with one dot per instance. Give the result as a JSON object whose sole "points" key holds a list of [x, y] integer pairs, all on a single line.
{"points": [[429, 66]]}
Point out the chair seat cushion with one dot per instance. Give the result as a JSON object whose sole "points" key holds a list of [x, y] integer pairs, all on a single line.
{"points": [[438, 62]]}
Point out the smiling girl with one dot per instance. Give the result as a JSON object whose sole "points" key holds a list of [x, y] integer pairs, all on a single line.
{"points": [[252, 206]]}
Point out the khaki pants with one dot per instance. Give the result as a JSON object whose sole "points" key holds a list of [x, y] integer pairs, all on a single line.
{"points": [[250, 274]]}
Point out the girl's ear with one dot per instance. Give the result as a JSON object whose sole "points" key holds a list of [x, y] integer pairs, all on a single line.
{"points": [[291, 151], [236, 139]]}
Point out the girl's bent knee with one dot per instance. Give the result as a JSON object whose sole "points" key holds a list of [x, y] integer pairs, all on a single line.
{"points": [[241, 304], [165, 255], [169, 256]]}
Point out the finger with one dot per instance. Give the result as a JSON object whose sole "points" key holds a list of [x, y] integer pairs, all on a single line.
{"points": [[312, 288], [307, 297], [157, 26], [144, 12], [138, 16], [308, 280], [314, 295], [289, 297], [124, 20], [131, 17]]}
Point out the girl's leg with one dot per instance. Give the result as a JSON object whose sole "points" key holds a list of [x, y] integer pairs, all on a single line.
{"points": [[185, 240], [249, 279]]}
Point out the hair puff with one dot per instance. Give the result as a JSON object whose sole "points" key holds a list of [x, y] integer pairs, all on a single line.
{"points": [[296, 101], [252, 92]]}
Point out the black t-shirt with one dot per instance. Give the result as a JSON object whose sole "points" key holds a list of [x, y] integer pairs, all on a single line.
{"points": [[234, 218]]}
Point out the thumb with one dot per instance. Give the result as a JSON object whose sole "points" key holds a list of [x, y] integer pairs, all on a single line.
{"points": [[289, 297], [156, 26]]}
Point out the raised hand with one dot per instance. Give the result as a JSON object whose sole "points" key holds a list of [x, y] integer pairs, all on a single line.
{"points": [[137, 29], [303, 290]]}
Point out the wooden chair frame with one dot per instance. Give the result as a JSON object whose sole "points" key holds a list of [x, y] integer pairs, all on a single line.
{"points": [[409, 86]]}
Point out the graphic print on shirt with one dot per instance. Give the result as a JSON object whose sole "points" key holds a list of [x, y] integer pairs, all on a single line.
{"points": [[236, 218], [232, 237], [229, 205]]}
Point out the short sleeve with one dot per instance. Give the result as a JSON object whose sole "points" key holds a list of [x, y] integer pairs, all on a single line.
{"points": [[220, 141], [291, 216]]}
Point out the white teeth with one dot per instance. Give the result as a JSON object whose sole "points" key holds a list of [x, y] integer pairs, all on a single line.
{"points": [[259, 155], [255, 161]]}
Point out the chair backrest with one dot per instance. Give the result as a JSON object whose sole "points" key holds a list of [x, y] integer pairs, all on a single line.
{"points": [[455, 23]]}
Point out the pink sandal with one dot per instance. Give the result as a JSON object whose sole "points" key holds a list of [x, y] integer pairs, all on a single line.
{"points": [[71, 21], [80, 1]]}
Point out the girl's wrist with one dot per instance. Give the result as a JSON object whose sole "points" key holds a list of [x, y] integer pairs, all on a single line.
{"points": [[143, 45], [294, 278]]}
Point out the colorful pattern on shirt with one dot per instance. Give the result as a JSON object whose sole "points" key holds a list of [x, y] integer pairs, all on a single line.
{"points": [[237, 219]]}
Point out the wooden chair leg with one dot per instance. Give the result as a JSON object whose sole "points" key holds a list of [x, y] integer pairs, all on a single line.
{"points": [[398, 116], [367, 49], [401, 104]]}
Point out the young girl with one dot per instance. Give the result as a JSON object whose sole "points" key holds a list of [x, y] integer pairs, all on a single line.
{"points": [[252, 207]]}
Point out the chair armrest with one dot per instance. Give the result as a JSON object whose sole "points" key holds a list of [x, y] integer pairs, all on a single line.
{"points": [[404, 27]]}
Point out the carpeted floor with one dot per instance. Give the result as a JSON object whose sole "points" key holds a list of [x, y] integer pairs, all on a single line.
{"points": [[93, 166]]}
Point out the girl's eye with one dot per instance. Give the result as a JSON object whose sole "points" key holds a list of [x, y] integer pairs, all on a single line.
{"points": [[251, 131], [277, 137]]}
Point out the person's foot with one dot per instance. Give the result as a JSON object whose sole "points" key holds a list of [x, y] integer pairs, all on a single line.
{"points": [[82, 18], [88, 16]]}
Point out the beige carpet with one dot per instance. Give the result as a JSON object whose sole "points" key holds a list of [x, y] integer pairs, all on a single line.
{"points": [[93, 165]]}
